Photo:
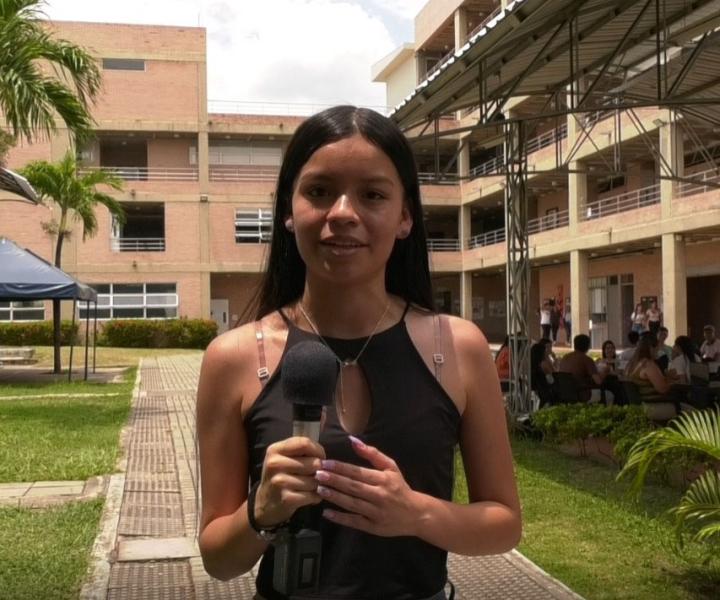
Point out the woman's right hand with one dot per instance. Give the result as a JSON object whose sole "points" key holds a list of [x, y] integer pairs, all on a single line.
{"points": [[288, 480]]}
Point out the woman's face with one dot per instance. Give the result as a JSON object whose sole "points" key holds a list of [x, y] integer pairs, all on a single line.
{"points": [[610, 351], [348, 208]]}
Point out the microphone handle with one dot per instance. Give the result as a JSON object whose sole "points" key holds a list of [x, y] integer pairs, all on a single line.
{"points": [[308, 429]]}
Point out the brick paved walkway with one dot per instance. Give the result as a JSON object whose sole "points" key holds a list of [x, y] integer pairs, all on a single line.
{"points": [[146, 547]]}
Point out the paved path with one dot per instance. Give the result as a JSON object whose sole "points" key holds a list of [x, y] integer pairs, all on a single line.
{"points": [[146, 547]]}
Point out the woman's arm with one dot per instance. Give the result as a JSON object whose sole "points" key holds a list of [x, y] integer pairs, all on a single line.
{"points": [[229, 547], [655, 376], [379, 501]]}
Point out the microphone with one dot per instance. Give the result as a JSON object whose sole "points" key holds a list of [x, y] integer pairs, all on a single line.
{"points": [[309, 376]]}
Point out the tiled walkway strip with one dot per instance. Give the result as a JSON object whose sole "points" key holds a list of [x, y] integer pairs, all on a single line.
{"points": [[156, 554]]}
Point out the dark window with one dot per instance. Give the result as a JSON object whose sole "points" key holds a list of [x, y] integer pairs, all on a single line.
{"points": [[123, 64]]}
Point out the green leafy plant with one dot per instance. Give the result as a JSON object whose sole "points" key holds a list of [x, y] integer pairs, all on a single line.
{"points": [[36, 333], [697, 516], [170, 333]]}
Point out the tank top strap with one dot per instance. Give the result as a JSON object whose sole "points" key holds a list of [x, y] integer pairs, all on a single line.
{"points": [[263, 373], [438, 355]]}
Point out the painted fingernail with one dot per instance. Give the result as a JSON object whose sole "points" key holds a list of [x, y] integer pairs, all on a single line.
{"points": [[357, 442], [322, 476], [328, 514], [323, 491], [328, 465]]}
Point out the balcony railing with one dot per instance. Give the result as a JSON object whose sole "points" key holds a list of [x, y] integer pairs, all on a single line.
{"points": [[532, 145], [684, 189], [443, 245], [548, 222], [487, 239], [429, 179], [243, 173], [231, 107], [485, 21], [148, 173], [137, 244], [639, 198]]}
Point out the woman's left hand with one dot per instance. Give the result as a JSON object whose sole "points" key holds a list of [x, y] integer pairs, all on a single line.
{"points": [[378, 500]]}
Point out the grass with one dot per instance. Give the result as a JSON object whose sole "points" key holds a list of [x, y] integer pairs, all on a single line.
{"points": [[105, 357], [44, 553], [61, 438], [579, 527]]}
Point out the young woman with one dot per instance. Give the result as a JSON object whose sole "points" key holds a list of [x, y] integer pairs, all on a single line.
{"points": [[638, 318], [652, 385], [606, 363], [683, 354], [348, 266]]}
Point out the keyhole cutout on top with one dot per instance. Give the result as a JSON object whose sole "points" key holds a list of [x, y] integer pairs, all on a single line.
{"points": [[354, 400]]}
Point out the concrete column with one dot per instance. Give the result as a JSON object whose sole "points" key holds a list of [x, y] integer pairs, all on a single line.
{"points": [[464, 226], [460, 28], [674, 284], [204, 294], [672, 151], [463, 161], [203, 162], [577, 195], [579, 292]]}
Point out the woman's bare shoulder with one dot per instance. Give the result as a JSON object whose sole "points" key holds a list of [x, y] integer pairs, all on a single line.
{"points": [[465, 335]]}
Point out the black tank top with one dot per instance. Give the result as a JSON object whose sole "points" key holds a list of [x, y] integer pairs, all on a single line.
{"points": [[412, 420]]}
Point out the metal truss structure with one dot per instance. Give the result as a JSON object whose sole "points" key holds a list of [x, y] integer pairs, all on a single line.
{"points": [[583, 58]]}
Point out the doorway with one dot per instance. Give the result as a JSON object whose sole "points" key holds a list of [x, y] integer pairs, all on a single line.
{"points": [[220, 312]]}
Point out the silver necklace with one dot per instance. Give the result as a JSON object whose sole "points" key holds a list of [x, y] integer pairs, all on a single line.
{"points": [[348, 362]]}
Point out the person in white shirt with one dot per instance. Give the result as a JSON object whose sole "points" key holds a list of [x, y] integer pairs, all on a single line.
{"points": [[710, 349], [627, 354], [683, 354]]}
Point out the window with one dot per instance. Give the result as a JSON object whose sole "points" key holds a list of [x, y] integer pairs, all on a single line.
{"points": [[143, 230], [253, 226], [134, 301], [123, 64], [22, 310]]}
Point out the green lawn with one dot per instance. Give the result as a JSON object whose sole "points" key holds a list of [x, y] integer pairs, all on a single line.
{"points": [[44, 553], [64, 437], [579, 527]]}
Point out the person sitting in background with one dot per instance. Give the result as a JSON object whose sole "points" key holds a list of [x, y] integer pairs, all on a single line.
{"points": [[664, 352], [502, 360], [710, 349], [550, 362], [683, 354], [606, 363], [541, 374], [582, 367], [651, 384], [627, 354]]}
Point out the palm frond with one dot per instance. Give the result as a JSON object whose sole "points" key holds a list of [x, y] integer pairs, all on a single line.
{"points": [[696, 431], [698, 513]]}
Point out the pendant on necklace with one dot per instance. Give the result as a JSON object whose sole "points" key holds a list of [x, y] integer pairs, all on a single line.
{"points": [[349, 362]]}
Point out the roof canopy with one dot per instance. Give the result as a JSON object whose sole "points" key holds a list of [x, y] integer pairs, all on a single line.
{"points": [[26, 276], [17, 184], [539, 47]]}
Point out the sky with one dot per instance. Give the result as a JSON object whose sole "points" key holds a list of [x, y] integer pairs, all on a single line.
{"points": [[290, 51]]}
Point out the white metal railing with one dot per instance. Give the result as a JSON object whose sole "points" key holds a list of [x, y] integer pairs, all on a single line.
{"points": [[685, 188], [443, 245], [276, 108], [485, 21], [429, 178], [639, 198], [548, 222], [243, 173], [436, 67], [533, 145], [137, 244], [487, 239], [148, 173]]}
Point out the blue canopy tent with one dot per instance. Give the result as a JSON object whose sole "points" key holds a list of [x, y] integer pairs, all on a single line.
{"points": [[26, 276]]}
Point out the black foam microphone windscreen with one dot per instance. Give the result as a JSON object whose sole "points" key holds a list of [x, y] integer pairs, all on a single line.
{"points": [[309, 377]]}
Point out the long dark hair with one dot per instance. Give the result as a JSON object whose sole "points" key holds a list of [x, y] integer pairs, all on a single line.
{"points": [[407, 273], [687, 346], [605, 345]]}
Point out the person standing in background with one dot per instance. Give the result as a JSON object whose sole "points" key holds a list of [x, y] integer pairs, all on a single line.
{"points": [[545, 319], [567, 321], [653, 318], [638, 319], [554, 319]]}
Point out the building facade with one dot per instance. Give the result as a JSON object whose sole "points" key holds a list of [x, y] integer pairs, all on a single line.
{"points": [[199, 180]]}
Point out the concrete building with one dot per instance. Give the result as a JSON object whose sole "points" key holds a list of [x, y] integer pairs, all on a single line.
{"points": [[200, 177]]}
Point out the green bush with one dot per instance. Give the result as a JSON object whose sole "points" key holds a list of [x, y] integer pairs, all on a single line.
{"points": [[36, 333], [170, 333], [565, 423]]}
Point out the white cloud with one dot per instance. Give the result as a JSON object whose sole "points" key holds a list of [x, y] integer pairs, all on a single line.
{"points": [[406, 9], [314, 51]]}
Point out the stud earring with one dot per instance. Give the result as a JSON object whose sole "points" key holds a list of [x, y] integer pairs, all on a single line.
{"points": [[289, 225]]}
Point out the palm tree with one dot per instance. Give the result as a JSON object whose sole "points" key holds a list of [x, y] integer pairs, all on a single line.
{"points": [[698, 513], [30, 96], [77, 197]]}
